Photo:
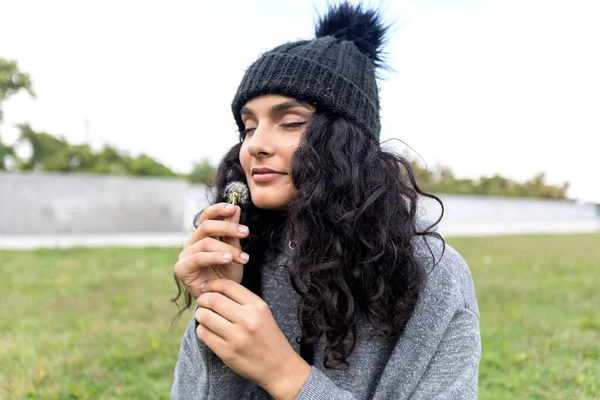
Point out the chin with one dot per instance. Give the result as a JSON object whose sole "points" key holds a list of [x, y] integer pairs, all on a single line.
{"points": [[269, 198]]}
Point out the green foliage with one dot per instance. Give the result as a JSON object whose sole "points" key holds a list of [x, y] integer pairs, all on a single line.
{"points": [[145, 165], [203, 172], [12, 80], [442, 180], [6, 152], [49, 153]]}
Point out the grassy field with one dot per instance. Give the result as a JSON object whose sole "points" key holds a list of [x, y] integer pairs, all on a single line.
{"points": [[94, 323]]}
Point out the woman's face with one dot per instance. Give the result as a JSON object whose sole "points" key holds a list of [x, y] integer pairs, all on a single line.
{"points": [[273, 125]]}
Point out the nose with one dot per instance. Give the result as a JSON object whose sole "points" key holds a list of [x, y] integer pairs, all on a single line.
{"points": [[259, 144]]}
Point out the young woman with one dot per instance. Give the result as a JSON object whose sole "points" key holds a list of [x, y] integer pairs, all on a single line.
{"points": [[328, 286]]}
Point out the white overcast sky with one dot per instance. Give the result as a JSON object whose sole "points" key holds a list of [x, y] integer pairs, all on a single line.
{"points": [[483, 87]]}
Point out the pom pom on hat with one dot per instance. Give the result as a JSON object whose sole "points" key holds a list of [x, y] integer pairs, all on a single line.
{"points": [[351, 22]]}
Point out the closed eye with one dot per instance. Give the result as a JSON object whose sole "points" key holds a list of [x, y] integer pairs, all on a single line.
{"points": [[292, 125], [248, 131]]}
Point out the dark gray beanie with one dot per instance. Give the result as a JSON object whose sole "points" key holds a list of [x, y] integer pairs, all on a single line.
{"points": [[335, 71]]}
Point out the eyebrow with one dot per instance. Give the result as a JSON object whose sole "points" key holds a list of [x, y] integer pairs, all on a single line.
{"points": [[278, 107]]}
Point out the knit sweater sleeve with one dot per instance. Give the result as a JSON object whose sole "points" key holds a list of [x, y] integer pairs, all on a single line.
{"points": [[320, 387], [195, 364], [191, 369], [452, 372]]}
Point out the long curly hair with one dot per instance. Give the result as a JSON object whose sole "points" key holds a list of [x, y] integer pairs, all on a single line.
{"points": [[352, 228]]}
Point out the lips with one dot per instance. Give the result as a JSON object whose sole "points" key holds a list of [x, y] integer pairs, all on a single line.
{"points": [[264, 174], [264, 170]]}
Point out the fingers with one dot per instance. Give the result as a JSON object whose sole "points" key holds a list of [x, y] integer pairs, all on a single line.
{"points": [[220, 304], [188, 269], [190, 266], [209, 338], [213, 321], [232, 290], [214, 212], [235, 219], [223, 228], [208, 245]]}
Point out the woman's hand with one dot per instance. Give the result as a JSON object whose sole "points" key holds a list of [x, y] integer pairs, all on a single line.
{"points": [[239, 327], [202, 251]]}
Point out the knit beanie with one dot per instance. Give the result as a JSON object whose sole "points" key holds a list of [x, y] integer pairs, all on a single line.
{"points": [[335, 71]]}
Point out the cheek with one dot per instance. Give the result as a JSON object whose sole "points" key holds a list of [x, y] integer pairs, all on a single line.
{"points": [[291, 149], [244, 158]]}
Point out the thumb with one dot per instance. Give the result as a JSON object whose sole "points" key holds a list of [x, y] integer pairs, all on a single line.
{"points": [[235, 218]]}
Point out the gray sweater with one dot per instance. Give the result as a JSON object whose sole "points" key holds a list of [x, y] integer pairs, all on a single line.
{"points": [[437, 357]]}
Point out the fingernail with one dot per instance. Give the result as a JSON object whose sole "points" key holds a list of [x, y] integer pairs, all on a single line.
{"points": [[229, 206], [227, 256], [202, 285], [244, 256], [243, 229]]}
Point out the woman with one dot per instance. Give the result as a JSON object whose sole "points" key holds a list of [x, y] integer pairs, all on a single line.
{"points": [[329, 287]]}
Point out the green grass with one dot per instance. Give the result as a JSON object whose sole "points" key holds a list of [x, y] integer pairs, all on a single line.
{"points": [[94, 323], [87, 323], [539, 299]]}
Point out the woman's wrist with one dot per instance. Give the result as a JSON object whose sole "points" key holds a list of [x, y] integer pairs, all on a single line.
{"points": [[287, 382]]}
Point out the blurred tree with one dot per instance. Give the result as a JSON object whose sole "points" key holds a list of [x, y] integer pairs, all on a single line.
{"points": [[442, 180], [6, 153], [112, 161], [203, 172], [145, 165], [12, 80], [49, 153]]}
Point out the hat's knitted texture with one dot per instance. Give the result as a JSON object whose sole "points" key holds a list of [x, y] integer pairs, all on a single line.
{"points": [[329, 72]]}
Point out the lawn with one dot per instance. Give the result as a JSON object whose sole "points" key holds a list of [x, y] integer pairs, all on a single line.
{"points": [[95, 323]]}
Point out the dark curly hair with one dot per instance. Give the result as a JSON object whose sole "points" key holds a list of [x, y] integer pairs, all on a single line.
{"points": [[352, 226]]}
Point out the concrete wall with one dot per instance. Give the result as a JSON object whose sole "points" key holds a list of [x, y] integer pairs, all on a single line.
{"points": [[196, 199], [489, 215], [67, 203]]}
